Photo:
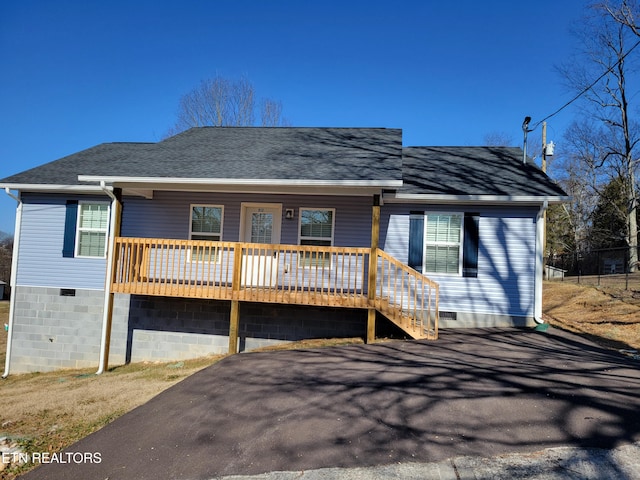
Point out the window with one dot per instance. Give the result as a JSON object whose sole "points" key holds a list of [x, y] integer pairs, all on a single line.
{"points": [[443, 243], [206, 224], [93, 225], [316, 228]]}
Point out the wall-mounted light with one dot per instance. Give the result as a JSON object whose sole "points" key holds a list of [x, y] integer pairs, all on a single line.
{"points": [[288, 214]]}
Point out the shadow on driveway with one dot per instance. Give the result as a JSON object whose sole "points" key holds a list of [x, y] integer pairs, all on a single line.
{"points": [[472, 392]]}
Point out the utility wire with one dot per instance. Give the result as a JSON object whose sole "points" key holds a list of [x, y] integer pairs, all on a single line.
{"points": [[608, 71]]}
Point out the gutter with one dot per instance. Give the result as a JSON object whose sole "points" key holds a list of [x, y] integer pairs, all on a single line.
{"points": [[287, 182], [13, 281], [106, 307], [38, 187], [464, 199], [539, 268]]}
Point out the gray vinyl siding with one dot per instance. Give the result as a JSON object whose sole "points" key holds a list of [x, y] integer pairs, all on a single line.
{"points": [[506, 259], [41, 263], [166, 215]]}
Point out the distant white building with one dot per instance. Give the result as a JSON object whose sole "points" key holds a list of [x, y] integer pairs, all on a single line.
{"points": [[553, 273]]}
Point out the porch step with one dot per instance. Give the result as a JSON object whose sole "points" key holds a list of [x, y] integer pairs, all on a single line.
{"points": [[414, 326]]}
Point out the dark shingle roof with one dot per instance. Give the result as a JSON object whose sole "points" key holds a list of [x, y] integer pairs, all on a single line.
{"points": [[237, 153], [333, 154], [65, 170], [497, 171]]}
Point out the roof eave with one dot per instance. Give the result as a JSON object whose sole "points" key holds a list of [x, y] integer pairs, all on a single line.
{"points": [[476, 199], [53, 188], [164, 181]]}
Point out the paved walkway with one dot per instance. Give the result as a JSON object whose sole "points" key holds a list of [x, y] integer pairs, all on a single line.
{"points": [[458, 407]]}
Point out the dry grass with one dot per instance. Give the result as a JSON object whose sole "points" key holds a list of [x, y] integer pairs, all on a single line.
{"points": [[313, 343], [609, 314], [50, 411]]}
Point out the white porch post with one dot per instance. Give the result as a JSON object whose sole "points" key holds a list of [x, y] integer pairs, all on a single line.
{"points": [[13, 281], [107, 309]]}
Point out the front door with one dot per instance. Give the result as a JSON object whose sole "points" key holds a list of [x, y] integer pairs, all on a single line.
{"points": [[262, 223]]}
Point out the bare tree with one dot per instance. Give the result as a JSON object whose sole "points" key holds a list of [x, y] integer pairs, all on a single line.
{"points": [[498, 139], [221, 102], [624, 12], [605, 141], [579, 174], [272, 114]]}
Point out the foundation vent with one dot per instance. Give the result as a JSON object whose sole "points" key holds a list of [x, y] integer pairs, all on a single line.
{"points": [[448, 316]]}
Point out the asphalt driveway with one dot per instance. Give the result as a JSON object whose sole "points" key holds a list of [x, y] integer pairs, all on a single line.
{"points": [[472, 392]]}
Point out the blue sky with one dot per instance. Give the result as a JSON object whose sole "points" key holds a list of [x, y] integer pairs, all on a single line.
{"points": [[77, 73]]}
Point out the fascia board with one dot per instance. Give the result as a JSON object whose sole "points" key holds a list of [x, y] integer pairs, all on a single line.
{"points": [[39, 187], [161, 181], [485, 199]]}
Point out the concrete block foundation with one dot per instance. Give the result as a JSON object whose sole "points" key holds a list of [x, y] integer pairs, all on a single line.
{"points": [[60, 328]]}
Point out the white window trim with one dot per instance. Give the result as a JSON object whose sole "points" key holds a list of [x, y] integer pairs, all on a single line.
{"points": [[333, 224], [99, 230], [333, 232], [191, 232], [460, 244], [217, 258]]}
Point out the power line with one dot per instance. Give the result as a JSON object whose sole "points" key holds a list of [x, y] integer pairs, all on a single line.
{"points": [[608, 71]]}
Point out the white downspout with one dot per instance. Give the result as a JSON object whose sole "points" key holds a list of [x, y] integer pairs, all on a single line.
{"points": [[539, 269], [13, 281], [108, 280]]}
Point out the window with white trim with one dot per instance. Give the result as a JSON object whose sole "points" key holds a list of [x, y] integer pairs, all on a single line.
{"points": [[443, 243], [316, 228], [92, 229], [205, 224]]}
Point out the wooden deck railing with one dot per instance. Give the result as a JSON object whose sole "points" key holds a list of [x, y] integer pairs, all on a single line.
{"points": [[407, 297], [293, 274], [309, 275]]}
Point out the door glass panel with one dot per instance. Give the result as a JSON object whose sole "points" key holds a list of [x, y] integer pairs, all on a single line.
{"points": [[261, 227]]}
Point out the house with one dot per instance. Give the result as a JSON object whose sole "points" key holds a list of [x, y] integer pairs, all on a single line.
{"points": [[222, 239]]}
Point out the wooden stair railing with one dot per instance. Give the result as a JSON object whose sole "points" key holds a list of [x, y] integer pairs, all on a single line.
{"points": [[406, 297]]}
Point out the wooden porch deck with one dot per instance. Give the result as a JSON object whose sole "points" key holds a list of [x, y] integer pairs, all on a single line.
{"points": [[345, 277]]}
